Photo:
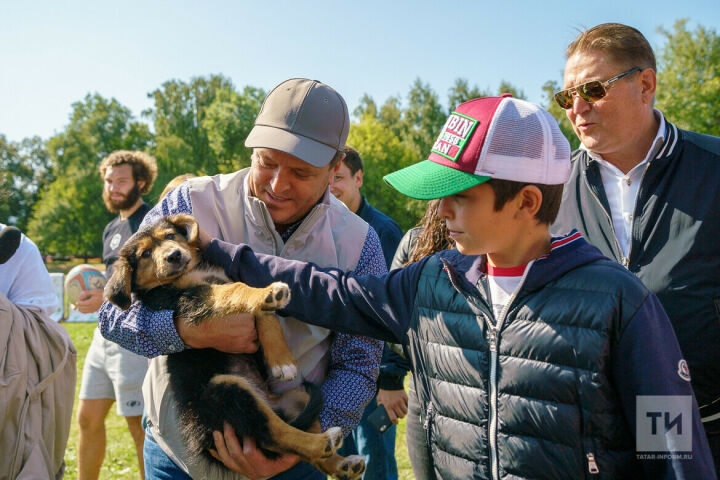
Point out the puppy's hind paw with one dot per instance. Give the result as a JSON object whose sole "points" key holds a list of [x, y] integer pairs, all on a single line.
{"points": [[352, 468], [284, 372], [278, 296]]}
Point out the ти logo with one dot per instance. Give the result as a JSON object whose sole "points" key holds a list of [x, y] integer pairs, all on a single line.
{"points": [[663, 423], [454, 135]]}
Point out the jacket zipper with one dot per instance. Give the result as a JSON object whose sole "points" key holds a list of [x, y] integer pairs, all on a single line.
{"points": [[625, 261], [592, 465], [493, 341], [637, 198], [427, 425], [270, 231]]}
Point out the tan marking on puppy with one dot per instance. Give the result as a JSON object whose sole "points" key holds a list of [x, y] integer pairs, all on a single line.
{"points": [[279, 358], [309, 446], [237, 297]]}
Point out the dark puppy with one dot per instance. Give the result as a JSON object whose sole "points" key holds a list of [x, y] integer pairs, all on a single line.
{"points": [[161, 265]]}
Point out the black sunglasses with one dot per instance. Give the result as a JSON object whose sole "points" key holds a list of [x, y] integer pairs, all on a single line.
{"points": [[589, 91]]}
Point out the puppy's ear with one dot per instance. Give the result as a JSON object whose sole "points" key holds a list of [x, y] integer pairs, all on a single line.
{"points": [[187, 223], [117, 290]]}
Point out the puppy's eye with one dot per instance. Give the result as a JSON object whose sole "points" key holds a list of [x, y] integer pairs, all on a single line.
{"points": [[145, 254], [170, 236]]}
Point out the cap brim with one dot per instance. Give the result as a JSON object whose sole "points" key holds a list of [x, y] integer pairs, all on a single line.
{"points": [[429, 180], [309, 151]]}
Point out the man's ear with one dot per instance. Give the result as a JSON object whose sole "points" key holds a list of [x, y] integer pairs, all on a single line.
{"points": [[528, 200], [359, 178], [117, 290], [140, 184], [188, 223], [649, 83]]}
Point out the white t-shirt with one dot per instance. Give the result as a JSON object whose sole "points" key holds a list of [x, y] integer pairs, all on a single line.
{"points": [[502, 283], [25, 280]]}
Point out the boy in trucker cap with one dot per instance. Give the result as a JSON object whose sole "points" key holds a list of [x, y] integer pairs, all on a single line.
{"points": [[533, 357]]}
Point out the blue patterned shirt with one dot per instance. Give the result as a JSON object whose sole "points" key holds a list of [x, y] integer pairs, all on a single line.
{"points": [[354, 360]]}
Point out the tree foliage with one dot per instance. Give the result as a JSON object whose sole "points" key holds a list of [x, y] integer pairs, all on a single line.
{"points": [[688, 90], [384, 152], [53, 189], [24, 171], [549, 89], [201, 126], [69, 215]]}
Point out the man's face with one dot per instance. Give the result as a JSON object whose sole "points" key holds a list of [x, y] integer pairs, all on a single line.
{"points": [[288, 186], [611, 125], [474, 224], [346, 186], [120, 190]]}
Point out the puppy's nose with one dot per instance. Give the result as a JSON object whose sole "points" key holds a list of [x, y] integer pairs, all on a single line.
{"points": [[174, 257]]}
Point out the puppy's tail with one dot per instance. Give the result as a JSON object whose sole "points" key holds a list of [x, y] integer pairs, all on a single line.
{"points": [[312, 409]]}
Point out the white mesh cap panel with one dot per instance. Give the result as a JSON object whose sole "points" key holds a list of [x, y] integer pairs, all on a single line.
{"points": [[524, 144]]}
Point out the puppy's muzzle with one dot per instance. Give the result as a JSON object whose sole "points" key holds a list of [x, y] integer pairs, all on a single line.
{"points": [[174, 258]]}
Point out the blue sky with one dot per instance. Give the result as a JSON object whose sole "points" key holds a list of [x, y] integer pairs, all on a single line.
{"points": [[54, 53]]}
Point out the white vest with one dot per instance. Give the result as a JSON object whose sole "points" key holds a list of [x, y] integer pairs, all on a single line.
{"points": [[329, 236]]}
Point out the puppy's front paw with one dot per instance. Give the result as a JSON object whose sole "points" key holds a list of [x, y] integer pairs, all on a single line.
{"points": [[278, 296]]}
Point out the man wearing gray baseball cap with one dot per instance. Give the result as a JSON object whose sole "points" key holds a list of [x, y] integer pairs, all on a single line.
{"points": [[280, 205]]}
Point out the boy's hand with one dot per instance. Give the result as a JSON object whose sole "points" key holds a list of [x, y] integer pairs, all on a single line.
{"points": [[246, 459], [230, 334], [90, 301], [396, 403]]}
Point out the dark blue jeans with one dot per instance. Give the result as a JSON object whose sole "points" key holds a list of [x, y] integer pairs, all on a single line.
{"points": [[377, 448], [158, 466]]}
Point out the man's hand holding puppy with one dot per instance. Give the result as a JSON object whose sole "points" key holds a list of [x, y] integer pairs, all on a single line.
{"points": [[246, 458], [230, 334]]}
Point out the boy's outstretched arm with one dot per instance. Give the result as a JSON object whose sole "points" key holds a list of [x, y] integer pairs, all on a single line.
{"points": [[372, 305], [647, 362]]}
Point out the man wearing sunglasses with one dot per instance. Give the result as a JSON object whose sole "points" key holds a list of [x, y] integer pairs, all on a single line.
{"points": [[648, 195]]}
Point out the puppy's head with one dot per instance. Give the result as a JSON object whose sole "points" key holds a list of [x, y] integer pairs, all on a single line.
{"points": [[155, 255]]}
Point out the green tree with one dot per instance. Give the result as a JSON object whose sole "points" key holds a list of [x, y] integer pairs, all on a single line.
{"points": [[383, 152], [26, 169], [228, 122], [424, 117], [69, 216], [366, 107], [461, 92], [688, 90], [178, 115], [549, 89], [507, 87]]}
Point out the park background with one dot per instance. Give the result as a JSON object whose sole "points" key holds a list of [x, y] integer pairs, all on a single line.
{"points": [[183, 80]]}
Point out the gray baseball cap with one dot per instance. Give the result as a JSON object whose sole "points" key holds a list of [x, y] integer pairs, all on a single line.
{"points": [[304, 118]]}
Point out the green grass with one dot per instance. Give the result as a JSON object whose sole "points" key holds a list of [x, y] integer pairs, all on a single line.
{"points": [[120, 459]]}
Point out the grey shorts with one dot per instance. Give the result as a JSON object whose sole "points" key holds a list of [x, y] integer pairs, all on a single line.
{"points": [[111, 371]]}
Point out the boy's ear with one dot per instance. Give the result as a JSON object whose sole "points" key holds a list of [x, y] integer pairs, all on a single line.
{"points": [[187, 223], [529, 200], [117, 290]]}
